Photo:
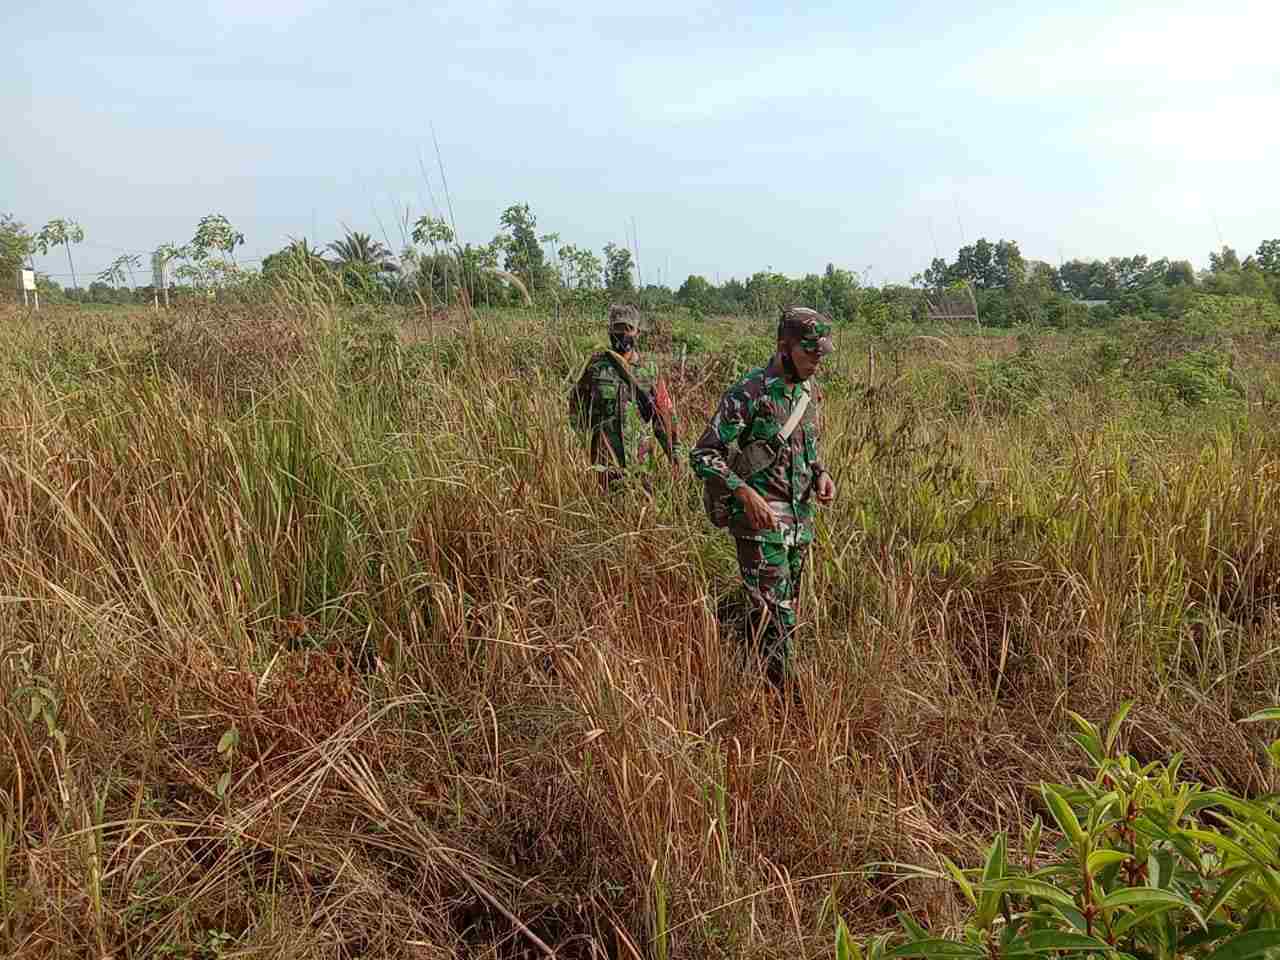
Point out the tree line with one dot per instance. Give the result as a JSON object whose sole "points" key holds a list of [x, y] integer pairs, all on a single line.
{"points": [[1010, 289], [522, 265]]}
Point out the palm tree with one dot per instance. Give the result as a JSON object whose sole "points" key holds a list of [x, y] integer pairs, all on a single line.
{"points": [[362, 252]]}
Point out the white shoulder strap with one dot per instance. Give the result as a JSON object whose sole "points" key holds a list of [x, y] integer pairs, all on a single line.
{"points": [[797, 412]]}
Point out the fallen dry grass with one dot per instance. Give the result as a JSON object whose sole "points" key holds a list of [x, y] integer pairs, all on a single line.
{"points": [[317, 642]]}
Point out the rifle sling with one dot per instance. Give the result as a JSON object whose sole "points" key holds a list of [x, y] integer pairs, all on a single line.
{"points": [[623, 367]]}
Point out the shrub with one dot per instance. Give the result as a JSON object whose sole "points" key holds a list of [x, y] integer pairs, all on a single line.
{"points": [[1148, 866], [1200, 377], [1008, 385], [690, 341]]}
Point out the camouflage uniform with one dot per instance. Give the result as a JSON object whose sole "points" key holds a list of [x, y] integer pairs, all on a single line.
{"points": [[605, 404], [771, 561]]}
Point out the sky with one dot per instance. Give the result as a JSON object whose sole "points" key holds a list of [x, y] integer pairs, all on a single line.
{"points": [[713, 138]]}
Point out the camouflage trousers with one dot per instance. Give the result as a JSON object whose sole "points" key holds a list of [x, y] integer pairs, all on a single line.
{"points": [[771, 572], [607, 453]]}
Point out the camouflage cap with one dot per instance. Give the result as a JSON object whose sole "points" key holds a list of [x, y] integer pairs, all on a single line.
{"points": [[811, 328], [623, 316]]}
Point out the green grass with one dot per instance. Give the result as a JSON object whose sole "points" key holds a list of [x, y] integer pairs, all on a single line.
{"points": [[477, 709]]}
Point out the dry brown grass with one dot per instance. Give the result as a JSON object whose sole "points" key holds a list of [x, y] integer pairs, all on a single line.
{"points": [[318, 643]]}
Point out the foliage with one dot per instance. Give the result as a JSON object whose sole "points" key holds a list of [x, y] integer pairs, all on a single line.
{"points": [[1199, 377], [207, 260], [16, 245], [1002, 386], [60, 233], [361, 254], [521, 248], [1267, 257], [617, 270], [1224, 261], [1011, 291], [120, 269], [210, 273], [986, 265], [433, 231], [1148, 865], [696, 293], [581, 269], [213, 234], [296, 257]]}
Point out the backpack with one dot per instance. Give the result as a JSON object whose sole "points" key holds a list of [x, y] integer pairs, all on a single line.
{"points": [[717, 499]]}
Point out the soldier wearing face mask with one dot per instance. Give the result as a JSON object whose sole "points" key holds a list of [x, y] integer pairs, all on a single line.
{"points": [[760, 461], [615, 399]]}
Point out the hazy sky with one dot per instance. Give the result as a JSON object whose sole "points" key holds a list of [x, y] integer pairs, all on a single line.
{"points": [[736, 137]]}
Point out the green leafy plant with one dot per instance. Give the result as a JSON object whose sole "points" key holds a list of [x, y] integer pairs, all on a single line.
{"points": [[1006, 386], [1148, 866], [1199, 377]]}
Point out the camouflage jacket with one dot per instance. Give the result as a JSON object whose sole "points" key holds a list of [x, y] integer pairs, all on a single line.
{"points": [[604, 403], [753, 411]]}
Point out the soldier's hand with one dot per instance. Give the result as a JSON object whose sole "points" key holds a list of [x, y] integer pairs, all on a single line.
{"points": [[826, 488], [759, 515]]}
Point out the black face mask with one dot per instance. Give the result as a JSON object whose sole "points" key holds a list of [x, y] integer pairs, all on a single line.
{"points": [[789, 367], [622, 343]]}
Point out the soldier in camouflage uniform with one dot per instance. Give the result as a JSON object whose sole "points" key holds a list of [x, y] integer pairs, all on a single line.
{"points": [[615, 396], [772, 506]]}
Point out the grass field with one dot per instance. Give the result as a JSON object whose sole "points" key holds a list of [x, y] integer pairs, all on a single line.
{"points": [[316, 641]]}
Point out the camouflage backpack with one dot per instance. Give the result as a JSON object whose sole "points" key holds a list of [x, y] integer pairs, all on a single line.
{"points": [[717, 499]]}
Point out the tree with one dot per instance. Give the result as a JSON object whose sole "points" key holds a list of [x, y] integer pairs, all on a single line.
{"points": [[1044, 277], [988, 266], [215, 232], [1253, 282], [1010, 270], [102, 291], [112, 275], [297, 257], [767, 292], [653, 295], [1086, 279], [364, 263], [1268, 257], [1121, 275], [49, 289], [432, 231], [938, 274], [617, 270], [523, 253], [116, 271], [732, 296], [63, 233], [975, 263], [1224, 261], [210, 254], [696, 292], [1180, 273], [361, 252], [16, 244], [839, 294], [478, 265], [582, 269], [436, 233]]}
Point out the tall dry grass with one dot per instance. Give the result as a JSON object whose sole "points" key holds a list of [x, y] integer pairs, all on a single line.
{"points": [[317, 641]]}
